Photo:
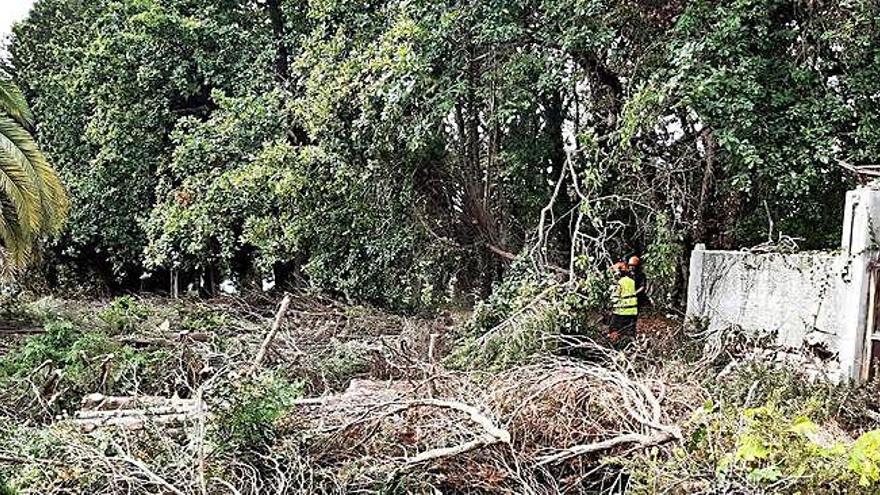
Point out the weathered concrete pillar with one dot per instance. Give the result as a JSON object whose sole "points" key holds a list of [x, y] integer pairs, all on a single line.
{"points": [[859, 245], [695, 301]]}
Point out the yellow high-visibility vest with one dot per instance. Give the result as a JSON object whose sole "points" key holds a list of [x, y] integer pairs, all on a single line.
{"points": [[626, 303]]}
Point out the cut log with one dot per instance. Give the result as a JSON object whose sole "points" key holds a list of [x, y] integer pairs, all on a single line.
{"points": [[133, 413]]}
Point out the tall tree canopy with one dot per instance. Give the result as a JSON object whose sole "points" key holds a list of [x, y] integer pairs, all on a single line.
{"points": [[398, 152]]}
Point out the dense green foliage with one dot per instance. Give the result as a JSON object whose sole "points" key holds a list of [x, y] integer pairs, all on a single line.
{"points": [[770, 430], [247, 421], [82, 362], [525, 316], [87, 348], [388, 151], [787, 89]]}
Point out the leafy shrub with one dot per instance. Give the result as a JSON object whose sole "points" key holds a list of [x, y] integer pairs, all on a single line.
{"points": [[246, 420], [790, 443], [793, 393], [501, 350], [50, 346], [662, 258], [523, 316], [13, 310], [84, 362], [344, 361], [124, 314], [203, 320], [864, 459]]}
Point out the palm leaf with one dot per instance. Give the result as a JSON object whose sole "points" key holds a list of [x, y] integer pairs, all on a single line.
{"points": [[18, 243], [52, 200], [12, 103], [18, 184], [33, 201]]}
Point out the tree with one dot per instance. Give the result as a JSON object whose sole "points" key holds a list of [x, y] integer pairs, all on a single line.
{"points": [[389, 150], [781, 92], [33, 202], [109, 80]]}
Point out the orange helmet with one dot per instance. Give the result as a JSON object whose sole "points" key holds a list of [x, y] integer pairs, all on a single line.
{"points": [[635, 261]]}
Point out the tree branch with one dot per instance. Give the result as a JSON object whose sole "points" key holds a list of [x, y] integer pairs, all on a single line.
{"points": [[264, 348]]}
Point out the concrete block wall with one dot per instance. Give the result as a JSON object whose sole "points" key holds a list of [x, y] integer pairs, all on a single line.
{"points": [[805, 299], [797, 297]]}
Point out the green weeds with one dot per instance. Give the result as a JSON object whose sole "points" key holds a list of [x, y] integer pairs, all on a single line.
{"points": [[124, 315], [246, 420]]}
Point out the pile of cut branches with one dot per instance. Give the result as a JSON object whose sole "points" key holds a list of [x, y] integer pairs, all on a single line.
{"points": [[317, 397]]}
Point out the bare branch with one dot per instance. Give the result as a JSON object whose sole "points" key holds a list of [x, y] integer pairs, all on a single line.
{"points": [[276, 324]]}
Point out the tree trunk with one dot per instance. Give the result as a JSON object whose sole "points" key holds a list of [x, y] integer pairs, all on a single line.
{"points": [[296, 134], [709, 148], [282, 64], [554, 116]]}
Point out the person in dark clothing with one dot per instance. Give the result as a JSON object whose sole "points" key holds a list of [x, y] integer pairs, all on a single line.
{"points": [[638, 275]]}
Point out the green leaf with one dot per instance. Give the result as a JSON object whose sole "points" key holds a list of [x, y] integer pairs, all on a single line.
{"points": [[765, 475], [751, 448], [803, 426]]}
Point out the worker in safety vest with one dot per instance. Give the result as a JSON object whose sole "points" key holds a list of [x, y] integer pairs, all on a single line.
{"points": [[625, 305]]}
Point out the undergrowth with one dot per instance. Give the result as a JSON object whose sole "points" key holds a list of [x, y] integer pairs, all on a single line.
{"points": [[68, 362], [249, 410], [757, 428], [342, 362], [124, 314], [525, 317], [768, 429]]}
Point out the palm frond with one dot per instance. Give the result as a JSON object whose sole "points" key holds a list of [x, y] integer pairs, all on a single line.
{"points": [[12, 103], [19, 185], [33, 201], [52, 200], [18, 243]]}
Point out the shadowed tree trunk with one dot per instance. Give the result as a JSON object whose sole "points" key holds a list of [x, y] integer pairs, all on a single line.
{"points": [[296, 135], [554, 116], [705, 194], [282, 64]]}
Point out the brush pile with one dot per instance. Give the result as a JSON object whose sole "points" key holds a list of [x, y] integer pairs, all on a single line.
{"points": [[156, 396]]}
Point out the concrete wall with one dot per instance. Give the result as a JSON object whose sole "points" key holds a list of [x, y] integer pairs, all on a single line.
{"points": [[797, 297], [806, 299]]}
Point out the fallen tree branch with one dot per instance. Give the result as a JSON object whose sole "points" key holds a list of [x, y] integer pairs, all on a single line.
{"points": [[475, 415], [492, 435], [171, 410], [540, 246], [641, 441], [309, 401], [396, 407], [443, 452], [511, 257], [201, 430], [21, 330], [512, 318], [276, 324], [7, 459]]}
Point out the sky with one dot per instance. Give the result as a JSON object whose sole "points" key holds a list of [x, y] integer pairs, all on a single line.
{"points": [[11, 11]]}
